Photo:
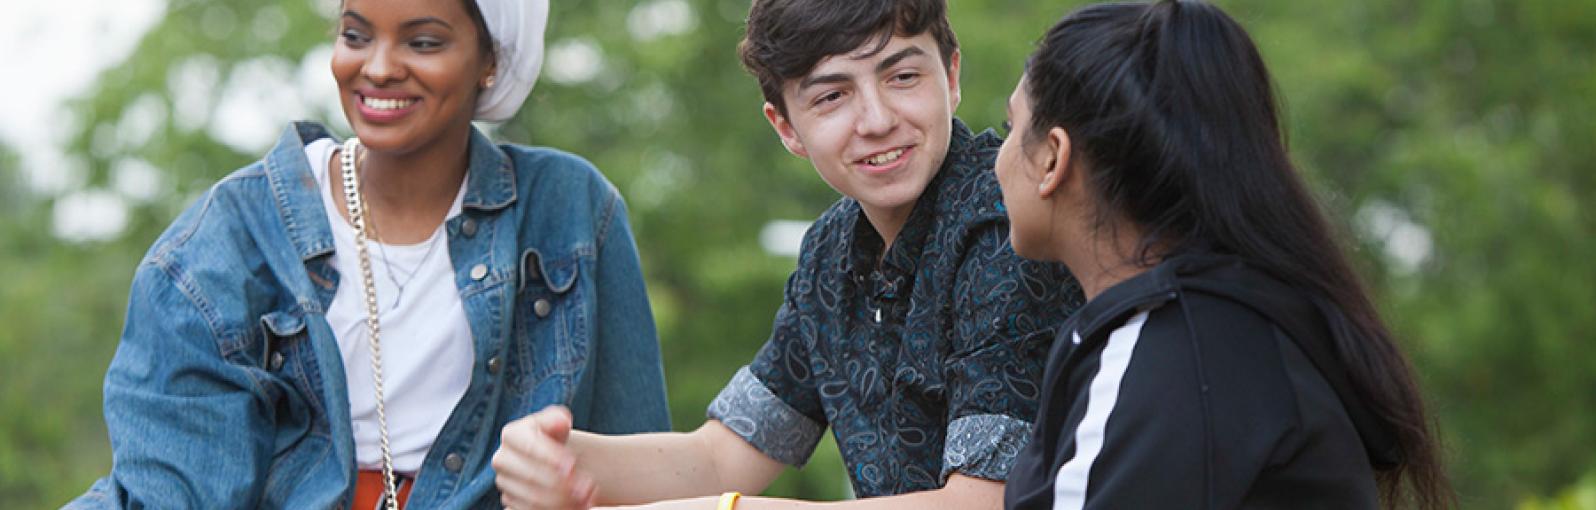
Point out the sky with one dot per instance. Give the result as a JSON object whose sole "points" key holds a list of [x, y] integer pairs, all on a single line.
{"points": [[54, 50]]}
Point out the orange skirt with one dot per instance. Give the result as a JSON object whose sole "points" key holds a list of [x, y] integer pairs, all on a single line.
{"points": [[369, 487]]}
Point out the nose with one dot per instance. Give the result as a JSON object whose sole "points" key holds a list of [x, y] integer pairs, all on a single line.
{"points": [[876, 115], [382, 66]]}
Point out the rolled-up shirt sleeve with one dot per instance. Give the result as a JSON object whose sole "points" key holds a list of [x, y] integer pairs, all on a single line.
{"points": [[993, 402], [984, 445], [753, 412], [773, 403]]}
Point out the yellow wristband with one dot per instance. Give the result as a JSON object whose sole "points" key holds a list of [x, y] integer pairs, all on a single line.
{"points": [[728, 501]]}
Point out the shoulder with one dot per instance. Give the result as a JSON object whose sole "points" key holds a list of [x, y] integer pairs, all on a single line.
{"points": [[548, 170], [563, 191], [252, 208], [1218, 357], [968, 193], [211, 250], [219, 217], [1219, 334], [825, 237]]}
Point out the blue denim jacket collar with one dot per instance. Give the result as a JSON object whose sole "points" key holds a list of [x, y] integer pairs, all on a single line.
{"points": [[490, 185]]}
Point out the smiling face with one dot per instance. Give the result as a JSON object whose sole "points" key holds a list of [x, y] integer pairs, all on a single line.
{"points": [[875, 124], [408, 71]]}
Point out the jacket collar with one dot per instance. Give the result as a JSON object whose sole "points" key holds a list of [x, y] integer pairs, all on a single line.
{"points": [[490, 185], [1111, 308]]}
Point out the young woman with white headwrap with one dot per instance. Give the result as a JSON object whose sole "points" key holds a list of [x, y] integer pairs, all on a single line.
{"points": [[351, 323]]}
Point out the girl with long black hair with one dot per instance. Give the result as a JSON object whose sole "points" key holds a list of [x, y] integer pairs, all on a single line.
{"points": [[1228, 357]]}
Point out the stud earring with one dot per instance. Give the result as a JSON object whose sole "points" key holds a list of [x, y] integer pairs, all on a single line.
{"points": [[488, 83]]}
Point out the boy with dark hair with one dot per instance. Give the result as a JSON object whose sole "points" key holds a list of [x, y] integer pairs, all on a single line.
{"points": [[909, 327]]}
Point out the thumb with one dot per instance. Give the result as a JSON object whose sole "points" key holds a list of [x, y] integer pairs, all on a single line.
{"points": [[555, 422]]}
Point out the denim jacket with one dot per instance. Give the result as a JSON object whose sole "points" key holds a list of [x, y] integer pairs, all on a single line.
{"points": [[228, 391]]}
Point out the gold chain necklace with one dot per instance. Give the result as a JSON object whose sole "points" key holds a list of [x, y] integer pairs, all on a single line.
{"points": [[352, 201]]}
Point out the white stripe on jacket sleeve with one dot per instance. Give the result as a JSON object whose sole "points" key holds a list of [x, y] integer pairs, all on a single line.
{"points": [[1069, 486]]}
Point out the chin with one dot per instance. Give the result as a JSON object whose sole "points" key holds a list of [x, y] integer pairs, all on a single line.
{"points": [[1025, 247], [1019, 247], [383, 138]]}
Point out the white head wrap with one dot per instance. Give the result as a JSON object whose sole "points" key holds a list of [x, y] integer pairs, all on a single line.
{"points": [[517, 30]]}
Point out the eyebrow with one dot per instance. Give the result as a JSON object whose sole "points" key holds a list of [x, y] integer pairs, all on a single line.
{"points": [[406, 24], [898, 57], [426, 20], [885, 64]]}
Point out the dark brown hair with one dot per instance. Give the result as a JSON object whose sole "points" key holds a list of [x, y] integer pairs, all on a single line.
{"points": [[786, 38], [1174, 115]]}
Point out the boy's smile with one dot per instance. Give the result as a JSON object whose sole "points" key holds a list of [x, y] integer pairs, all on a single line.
{"points": [[875, 123]]}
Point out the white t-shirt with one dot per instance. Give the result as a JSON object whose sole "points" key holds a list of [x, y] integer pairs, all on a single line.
{"points": [[427, 350]]}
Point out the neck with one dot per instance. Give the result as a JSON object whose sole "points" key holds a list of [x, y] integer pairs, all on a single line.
{"points": [[887, 222], [408, 194], [1108, 258], [417, 181]]}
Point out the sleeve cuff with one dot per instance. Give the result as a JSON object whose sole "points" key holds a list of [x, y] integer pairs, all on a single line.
{"points": [[752, 412], [984, 446]]}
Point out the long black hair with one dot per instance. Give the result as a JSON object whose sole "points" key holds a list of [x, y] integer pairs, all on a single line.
{"points": [[1171, 112]]}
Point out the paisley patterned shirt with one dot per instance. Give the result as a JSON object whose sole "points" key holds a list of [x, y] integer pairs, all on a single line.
{"points": [[924, 365]]}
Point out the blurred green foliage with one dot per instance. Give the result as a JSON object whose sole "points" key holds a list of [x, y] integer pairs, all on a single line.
{"points": [[1450, 138]]}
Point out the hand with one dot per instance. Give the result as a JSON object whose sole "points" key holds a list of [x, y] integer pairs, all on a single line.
{"points": [[534, 469]]}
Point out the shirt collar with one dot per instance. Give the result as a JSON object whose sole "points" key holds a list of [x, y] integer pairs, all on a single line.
{"points": [[863, 244]]}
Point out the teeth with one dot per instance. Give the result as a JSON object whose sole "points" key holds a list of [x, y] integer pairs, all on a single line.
{"points": [[885, 157], [387, 104]]}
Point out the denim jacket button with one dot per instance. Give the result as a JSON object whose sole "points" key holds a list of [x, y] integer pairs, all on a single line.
{"points": [[541, 307], [479, 271], [493, 365], [277, 361], [453, 462], [468, 227]]}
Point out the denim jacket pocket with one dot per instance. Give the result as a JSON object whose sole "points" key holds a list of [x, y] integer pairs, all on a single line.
{"points": [[550, 344], [285, 353]]}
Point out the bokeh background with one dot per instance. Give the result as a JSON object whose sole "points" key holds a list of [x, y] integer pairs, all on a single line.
{"points": [[1451, 140]]}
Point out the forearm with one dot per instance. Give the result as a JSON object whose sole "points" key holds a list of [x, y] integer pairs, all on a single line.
{"points": [[961, 493], [640, 468]]}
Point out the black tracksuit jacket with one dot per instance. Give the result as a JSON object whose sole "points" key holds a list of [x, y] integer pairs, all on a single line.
{"points": [[1204, 384]]}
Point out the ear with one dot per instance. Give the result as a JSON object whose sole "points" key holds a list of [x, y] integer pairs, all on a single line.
{"points": [[1057, 170], [487, 79], [784, 129], [953, 82]]}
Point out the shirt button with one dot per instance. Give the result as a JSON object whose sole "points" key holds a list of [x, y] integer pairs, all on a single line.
{"points": [[277, 361], [453, 462], [479, 271], [468, 227], [541, 307], [493, 365]]}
